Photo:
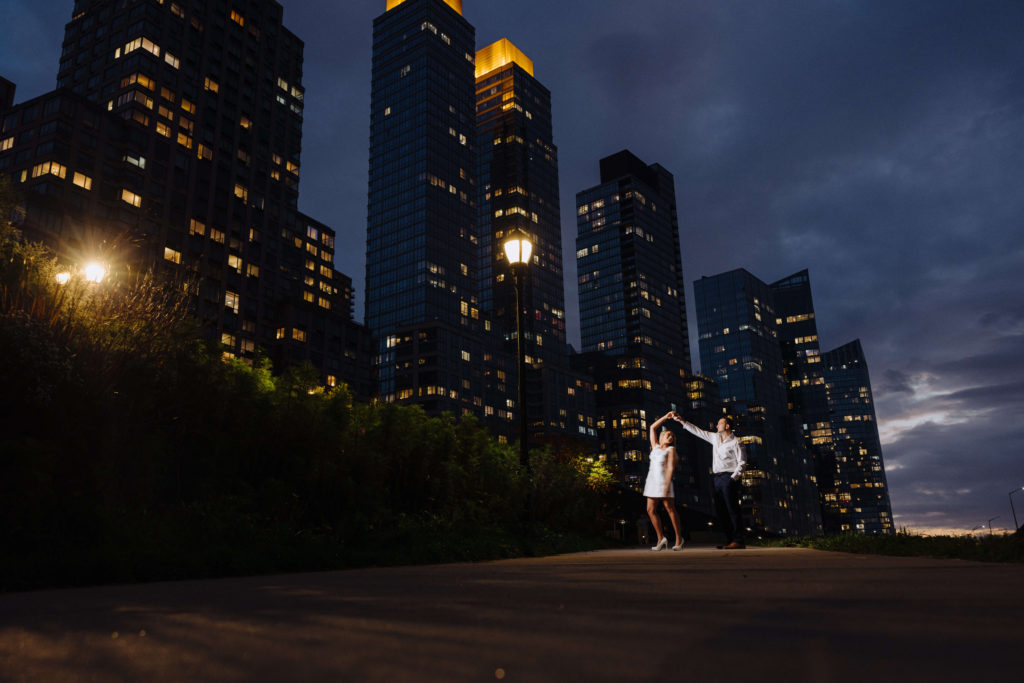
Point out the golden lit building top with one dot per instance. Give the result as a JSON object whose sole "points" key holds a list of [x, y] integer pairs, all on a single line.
{"points": [[454, 4], [497, 55]]}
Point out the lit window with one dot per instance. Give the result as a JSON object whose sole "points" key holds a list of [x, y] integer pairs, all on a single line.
{"points": [[298, 335], [185, 141], [246, 123], [231, 300], [130, 197], [281, 333], [211, 85], [217, 235], [324, 303], [141, 79], [196, 227], [171, 59], [163, 129], [188, 106], [307, 296], [241, 192], [252, 270], [204, 152], [82, 180], [51, 167], [237, 18], [465, 356], [235, 263], [172, 255], [6, 144], [227, 339], [166, 94]]}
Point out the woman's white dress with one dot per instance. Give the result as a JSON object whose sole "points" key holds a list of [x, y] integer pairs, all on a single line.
{"points": [[655, 486]]}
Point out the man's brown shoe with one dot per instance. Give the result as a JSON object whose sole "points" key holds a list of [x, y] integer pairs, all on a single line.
{"points": [[734, 546]]}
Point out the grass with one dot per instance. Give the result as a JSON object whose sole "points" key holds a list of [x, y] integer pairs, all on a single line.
{"points": [[1009, 548]]}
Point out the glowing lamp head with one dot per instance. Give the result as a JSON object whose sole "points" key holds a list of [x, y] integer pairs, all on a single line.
{"points": [[94, 272], [63, 278], [518, 248]]}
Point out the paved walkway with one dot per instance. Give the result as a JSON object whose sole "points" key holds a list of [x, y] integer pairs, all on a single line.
{"points": [[776, 614]]}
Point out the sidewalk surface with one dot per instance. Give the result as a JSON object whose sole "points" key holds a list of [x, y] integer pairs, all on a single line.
{"points": [[777, 614]]}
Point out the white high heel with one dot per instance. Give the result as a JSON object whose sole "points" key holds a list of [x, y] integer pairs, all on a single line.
{"points": [[662, 544], [678, 547]]}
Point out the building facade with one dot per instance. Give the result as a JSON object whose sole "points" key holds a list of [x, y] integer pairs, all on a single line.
{"points": [[739, 349], [517, 191], [174, 140], [422, 244], [633, 326], [860, 494]]}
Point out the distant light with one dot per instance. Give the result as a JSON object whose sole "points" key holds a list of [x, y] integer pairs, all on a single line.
{"points": [[63, 278], [94, 272]]}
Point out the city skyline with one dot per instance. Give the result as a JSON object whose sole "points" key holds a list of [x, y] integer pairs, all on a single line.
{"points": [[873, 143]]}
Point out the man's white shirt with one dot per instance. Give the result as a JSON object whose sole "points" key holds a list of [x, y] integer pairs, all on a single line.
{"points": [[727, 455]]}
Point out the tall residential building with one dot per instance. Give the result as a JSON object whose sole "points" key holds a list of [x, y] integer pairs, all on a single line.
{"points": [[174, 139], [831, 395], [517, 191], [632, 307], [739, 349], [860, 502], [421, 234], [805, 379]]}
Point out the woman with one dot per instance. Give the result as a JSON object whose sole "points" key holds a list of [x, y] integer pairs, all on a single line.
{"points": [[659, 482]]}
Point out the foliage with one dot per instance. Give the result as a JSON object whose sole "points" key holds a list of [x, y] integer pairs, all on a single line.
{"points": [[131, 451], [984, 548]]}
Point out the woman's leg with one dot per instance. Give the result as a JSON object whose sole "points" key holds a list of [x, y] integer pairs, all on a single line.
{"points": [[673, 514], [652, 512]]}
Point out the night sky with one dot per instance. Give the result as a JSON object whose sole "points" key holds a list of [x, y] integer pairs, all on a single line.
{"points": [[879, 144]]}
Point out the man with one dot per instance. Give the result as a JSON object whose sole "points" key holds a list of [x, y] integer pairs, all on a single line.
{"points": [[727, 462]]}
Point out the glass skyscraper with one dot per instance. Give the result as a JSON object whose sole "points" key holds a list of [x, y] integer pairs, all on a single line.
{"points": [[860, 501], [632, 306], [739, 349], [517, 179], [422, 245]]}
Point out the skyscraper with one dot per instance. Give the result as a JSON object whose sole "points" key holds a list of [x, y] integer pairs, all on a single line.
{"points": [[860, 501], [739, 349], [174, 139], [632, 307], [517, 190], [422, 245]]}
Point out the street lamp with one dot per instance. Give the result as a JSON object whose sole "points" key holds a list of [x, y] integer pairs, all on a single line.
{"points": [[1010, 496], [518, 249], [94, 272], [990, 524]]}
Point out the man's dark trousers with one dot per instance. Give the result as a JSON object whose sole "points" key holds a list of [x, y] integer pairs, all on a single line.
{"points": [[727, 503]]}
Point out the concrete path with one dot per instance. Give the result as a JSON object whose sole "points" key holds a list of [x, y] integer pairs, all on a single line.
{"points": [[775, 614]]}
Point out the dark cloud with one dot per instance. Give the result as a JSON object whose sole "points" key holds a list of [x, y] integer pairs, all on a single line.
{"points": [[875, 143], [894, 382]]}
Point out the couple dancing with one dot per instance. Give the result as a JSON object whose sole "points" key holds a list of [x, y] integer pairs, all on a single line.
{"points": [[727, 464]]}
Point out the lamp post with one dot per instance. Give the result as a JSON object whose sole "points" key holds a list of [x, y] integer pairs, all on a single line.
{"points": [[990, 524], [518, 249], [1010, 496]]}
